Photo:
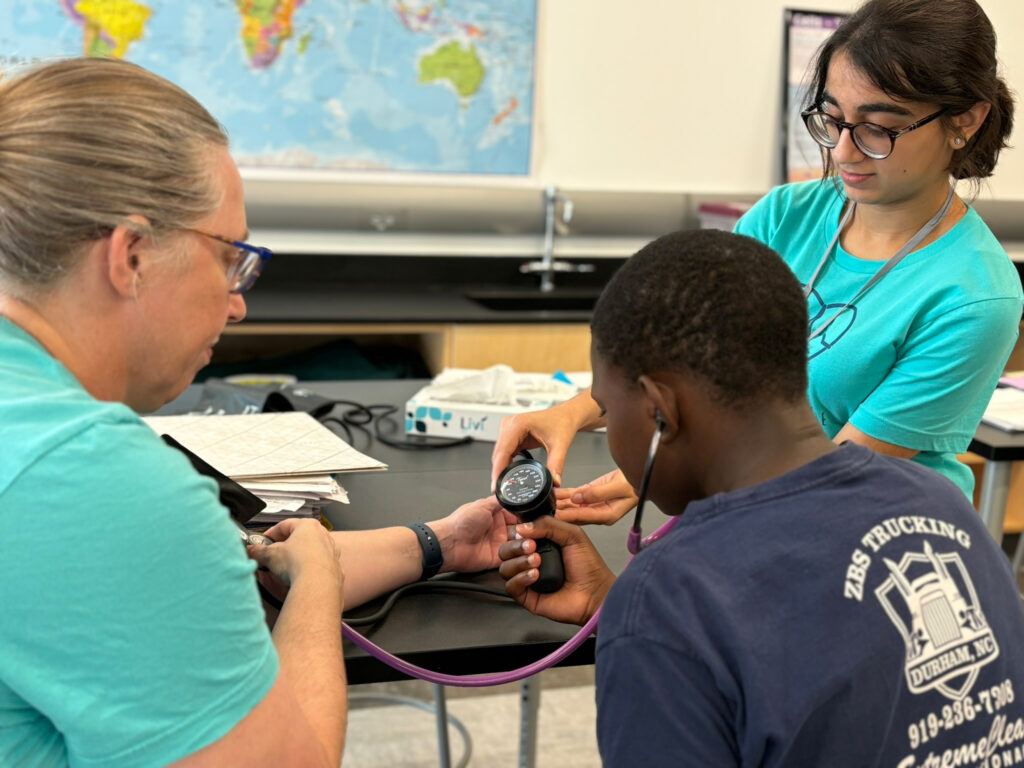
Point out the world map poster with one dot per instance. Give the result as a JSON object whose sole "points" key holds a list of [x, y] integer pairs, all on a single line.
{"points": [[397, 85]]}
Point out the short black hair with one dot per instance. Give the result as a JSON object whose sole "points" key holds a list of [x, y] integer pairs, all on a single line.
{"points": [[711, 304]]}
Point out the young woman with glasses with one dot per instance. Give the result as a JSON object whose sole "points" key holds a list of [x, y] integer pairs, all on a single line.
{"points": [[914, 306]]}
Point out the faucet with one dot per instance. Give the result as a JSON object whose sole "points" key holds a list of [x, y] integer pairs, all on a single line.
{"points": [[547, 266]]}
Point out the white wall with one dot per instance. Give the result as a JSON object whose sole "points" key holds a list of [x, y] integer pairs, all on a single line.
{"points": [[678, 99], [682, 95]]}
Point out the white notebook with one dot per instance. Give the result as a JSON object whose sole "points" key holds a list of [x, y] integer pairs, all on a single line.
{"points": [[259, 444], [1006, 409]]}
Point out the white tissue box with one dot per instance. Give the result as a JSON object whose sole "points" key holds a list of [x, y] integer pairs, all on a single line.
{"points": [[442, 418], [428, 415]]}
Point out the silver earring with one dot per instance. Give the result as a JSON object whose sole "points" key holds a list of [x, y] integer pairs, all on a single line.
{"points": [[958, 141]]}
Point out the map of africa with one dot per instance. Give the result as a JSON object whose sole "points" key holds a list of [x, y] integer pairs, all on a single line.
{"points": [[407, 85]]}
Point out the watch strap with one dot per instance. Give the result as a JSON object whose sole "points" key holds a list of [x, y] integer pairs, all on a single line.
{"points": [[433, 558]]}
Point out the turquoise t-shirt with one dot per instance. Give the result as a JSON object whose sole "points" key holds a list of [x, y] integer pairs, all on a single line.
{"points": [[131, 631], [915, 360]]}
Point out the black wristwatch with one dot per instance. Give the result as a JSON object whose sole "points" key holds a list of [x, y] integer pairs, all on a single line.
{"points": [[433, 558]]}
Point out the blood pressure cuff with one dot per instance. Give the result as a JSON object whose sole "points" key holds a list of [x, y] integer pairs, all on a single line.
{"points": [[219, 396], [240, 502], [293, 398]]}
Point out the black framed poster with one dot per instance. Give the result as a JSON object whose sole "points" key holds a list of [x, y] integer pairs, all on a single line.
{"points": [[803, 34]]}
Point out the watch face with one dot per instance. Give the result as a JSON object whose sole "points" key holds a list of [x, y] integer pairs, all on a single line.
{"points": [[522, 484]]}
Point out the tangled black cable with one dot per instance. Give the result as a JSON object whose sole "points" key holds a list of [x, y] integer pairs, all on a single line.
{"points": [[363, 417], [436, 584]]}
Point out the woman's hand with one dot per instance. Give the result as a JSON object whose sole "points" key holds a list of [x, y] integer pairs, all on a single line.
{"points": [[604, 500], [303, 547], [552, 429], [587, 578]]}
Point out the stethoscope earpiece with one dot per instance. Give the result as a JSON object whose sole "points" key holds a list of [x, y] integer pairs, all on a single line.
{"points": [[635, 541]]}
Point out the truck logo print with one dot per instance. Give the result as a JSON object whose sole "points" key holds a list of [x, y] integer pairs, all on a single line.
{"points": [[931, 599]]}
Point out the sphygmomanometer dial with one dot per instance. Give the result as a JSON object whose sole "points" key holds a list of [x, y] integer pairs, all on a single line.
{"points": [[523, 484], [525, 488]]}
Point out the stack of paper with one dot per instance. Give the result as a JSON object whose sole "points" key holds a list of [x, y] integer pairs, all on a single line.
{"points": [[287, 459], [1006, 409], [289, 496]]}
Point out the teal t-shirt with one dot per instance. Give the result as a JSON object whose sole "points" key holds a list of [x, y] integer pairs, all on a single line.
{"points": [[131, 632], [915, 360]]}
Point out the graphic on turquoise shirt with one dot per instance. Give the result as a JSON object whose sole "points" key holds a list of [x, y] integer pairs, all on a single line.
{"points": [[819, 312]]}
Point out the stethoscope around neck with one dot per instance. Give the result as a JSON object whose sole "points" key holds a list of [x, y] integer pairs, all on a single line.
{"points": [[635, 541], [890, 264]]}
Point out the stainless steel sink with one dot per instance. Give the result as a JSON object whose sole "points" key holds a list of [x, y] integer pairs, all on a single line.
{"points": [[565, 300]]}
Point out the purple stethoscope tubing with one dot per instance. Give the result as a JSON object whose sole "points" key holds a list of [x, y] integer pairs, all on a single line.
{"points": [[472, 681], [497, 678], [635, 543]]}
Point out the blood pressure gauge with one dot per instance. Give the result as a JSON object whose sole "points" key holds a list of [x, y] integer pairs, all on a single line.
{"points": [[525, 489]]}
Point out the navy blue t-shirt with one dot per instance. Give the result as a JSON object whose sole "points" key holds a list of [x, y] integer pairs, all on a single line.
{"points": [[853, 612]]}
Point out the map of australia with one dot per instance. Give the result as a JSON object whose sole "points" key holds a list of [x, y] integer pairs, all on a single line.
{"points": [[408, 85]]}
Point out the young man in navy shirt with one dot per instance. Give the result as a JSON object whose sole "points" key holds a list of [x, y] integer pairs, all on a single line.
{"points": [[814, 604]]}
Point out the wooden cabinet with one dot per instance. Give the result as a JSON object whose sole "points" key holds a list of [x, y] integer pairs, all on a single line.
{"points": [[536, 347], [524, 346]]}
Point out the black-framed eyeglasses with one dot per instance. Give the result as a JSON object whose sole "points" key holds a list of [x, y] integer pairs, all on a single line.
{"points": [[875, 141], [246, 268]]}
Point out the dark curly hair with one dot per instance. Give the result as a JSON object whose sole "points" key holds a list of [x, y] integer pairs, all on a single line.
{"points": [[711, 304], [940, 53]]}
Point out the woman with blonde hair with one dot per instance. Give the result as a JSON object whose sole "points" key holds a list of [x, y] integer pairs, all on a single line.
{"points": [[125, 640]]}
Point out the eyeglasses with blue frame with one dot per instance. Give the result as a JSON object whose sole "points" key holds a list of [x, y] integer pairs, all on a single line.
{"points": [[246, 268]]}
